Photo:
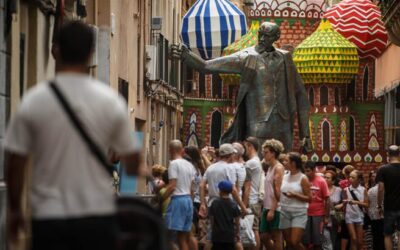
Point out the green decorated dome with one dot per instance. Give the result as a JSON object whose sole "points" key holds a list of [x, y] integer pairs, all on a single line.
{"points": [[326, 57]]}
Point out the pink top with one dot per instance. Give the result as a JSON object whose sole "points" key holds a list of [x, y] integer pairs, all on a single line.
{"points": [[319, 191], [269, 194]]}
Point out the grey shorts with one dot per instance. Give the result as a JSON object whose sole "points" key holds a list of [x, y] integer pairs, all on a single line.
{"points": [[290, 219], [256, 210], [314, 229]]}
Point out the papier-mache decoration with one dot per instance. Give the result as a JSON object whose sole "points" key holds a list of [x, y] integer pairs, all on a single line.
{"points": [[211, 25], [326, 57], [360, 22]]}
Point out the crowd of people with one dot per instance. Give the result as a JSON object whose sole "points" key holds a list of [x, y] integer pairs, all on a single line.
{"points": [[209, 194]]}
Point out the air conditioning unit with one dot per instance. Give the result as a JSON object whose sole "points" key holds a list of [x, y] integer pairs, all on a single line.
{"points": [[156, 23], [94, 61], [151, 62]]}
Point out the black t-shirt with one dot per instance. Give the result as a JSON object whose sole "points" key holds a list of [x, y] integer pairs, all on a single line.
{"points": [[390, 176], [224, 211]]}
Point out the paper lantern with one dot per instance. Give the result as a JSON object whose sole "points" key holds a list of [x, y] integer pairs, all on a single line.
{"points": [[211, 25], [326, 57], [360, 22]]}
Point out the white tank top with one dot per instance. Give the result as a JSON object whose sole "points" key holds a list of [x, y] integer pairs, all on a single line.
{"points": [[292, 183]]}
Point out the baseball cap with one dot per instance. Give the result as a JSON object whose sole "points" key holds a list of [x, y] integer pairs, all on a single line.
{"points": [[225, 186], [226, 149]]}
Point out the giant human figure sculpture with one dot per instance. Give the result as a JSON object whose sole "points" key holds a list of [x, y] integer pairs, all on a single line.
{"points": [[271, 90]]}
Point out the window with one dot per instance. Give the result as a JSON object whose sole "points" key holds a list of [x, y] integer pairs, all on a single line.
{"points": [[311, 96], [202, 85], [326, 136], [351, 90], [123, 89], [365, 83], [163, 64], [21, 64], [324, 96], [231, 91], [216, 128], [187, 77], [216, 86], [352, 134], [337, 97]]}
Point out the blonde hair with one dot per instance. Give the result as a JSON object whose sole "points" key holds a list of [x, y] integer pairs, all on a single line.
{"points": [[274, 145], [158, 170], [347, 170]]}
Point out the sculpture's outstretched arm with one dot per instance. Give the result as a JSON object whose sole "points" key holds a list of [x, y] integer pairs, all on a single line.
{"points": [[231, 64]]}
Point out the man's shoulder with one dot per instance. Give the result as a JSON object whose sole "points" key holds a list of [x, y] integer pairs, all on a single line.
{"points": [[253, 162], [36, 93]]}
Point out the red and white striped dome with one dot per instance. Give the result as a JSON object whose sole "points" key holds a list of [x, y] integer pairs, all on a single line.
{"points": [[360, 22]]}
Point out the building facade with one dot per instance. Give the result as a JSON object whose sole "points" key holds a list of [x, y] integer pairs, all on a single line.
{"points": [[387, 76], [131, 55]]}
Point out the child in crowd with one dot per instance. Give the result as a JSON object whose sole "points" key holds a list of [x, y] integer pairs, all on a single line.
{"points": [[224, 214]]}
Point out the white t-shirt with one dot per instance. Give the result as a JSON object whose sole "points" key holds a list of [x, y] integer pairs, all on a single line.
{"points": [[216, 173], [255, 169], [241, 176], [67, 180], [184, 173]]}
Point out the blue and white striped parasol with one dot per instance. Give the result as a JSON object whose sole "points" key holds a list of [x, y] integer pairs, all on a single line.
{"points": [[211, 25]]}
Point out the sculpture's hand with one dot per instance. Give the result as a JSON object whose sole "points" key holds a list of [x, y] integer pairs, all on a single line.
{"points": [[306, 145], [177, 51]]}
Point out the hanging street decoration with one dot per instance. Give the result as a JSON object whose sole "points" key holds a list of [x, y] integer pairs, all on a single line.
{"points": [[209, 26], [326, 57], [360, 22]]}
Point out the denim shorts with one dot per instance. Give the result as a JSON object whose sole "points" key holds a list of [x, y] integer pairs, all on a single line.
{"points": [[391, 222], [179, 214]]}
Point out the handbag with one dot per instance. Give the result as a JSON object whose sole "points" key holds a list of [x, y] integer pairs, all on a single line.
{"points": [[247, 237]]}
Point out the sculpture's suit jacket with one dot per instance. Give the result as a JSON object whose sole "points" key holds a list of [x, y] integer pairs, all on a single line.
{"points": [[246, 63]]}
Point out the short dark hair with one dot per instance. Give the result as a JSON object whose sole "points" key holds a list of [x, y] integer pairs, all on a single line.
{"points": [[75, 41], [253, 141], [309, 165]]}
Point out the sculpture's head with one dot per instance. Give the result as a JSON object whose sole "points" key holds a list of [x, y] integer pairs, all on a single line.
{"points": [[268, 33]]}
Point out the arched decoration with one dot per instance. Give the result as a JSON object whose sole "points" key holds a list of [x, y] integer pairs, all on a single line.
{"points": [[373, 143], [311, 96], [365, 83], [337, 96], [324, 96], [351, 90], [343, 136], [202, 85], [216, 86], [192, 138], [312, 131], [192, 141], [352, 134], [216, 128], [326, 136]]}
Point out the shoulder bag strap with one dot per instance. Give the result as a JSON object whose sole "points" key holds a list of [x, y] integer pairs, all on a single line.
{"points": [[355, 198], [78, 126]]}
